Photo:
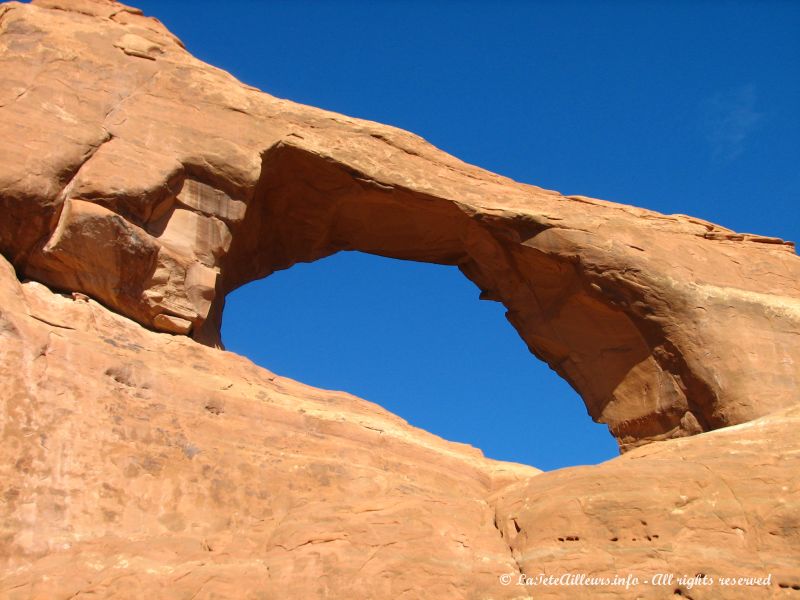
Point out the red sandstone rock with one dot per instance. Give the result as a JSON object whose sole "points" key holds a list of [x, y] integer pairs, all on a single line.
{"points": [[143, 465], [146, 185], [666, 325]]}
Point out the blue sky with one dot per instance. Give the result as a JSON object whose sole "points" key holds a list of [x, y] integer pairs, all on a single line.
{"points": [[681, 107]]}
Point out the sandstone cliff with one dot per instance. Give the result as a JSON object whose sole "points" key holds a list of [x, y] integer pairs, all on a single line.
{"points": [[140, 185]]}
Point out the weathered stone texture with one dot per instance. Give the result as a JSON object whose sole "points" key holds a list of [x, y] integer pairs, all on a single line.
{"points": [[138, 186], [666, 325]]}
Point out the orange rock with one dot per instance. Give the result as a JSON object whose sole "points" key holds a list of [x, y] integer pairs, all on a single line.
{"points": [[666, 325], [143, 464], [717, 504]]}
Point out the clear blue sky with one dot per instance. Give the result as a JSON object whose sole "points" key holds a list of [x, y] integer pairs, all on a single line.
{"points": [[681, 107]]}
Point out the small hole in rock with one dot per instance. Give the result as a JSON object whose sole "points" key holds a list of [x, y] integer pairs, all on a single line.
{"points": [[215, 408]]}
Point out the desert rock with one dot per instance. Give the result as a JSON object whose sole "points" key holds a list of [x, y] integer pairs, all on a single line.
{"points": [[143, 465], [139, 186], [666, 325]]}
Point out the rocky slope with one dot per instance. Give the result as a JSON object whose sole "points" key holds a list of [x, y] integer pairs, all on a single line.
{"points": [[144, 465], [140, 185]]}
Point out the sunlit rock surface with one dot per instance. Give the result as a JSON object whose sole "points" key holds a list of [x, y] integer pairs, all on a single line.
{"points": [[140, 461], [138, 464]]}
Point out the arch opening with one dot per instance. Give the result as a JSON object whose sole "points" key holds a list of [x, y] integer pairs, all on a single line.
{"points": [[595, 308], [588, 323], [666, 325], [410, 337]]}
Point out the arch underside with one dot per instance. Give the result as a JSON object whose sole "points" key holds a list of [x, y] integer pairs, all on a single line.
{"points": [[306, 208], [604, 319]]}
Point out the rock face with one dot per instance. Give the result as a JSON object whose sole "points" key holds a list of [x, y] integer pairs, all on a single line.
{"points": [[141, 461], [155, 184], [144, 465], [133, 460]]}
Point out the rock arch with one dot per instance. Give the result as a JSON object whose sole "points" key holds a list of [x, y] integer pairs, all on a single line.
{"points": [[169, 183]]}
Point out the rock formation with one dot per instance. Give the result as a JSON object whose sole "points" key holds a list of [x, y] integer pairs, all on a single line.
{"points": [[140, 185]]}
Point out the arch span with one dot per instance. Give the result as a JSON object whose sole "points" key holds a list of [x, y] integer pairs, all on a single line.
{"points": [[170, 183], [307, 207]]}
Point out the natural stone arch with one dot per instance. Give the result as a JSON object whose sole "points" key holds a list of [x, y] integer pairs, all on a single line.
{"points": [[597, 318], [171, 184], [306, 208]]}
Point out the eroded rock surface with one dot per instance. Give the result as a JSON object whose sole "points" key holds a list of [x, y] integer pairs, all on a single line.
{"points": [[144, 465], [144, 185], [136, 464], [722, 505], [156, 184]]}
